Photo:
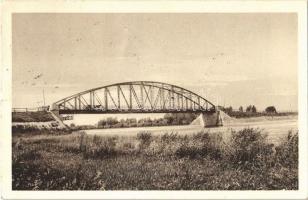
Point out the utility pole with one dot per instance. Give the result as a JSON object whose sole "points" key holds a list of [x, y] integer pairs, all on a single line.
{"points": [[44, 97], [290, 107]]}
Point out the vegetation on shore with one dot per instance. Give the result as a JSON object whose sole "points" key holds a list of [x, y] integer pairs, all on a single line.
{"points": [[251, 111], [37, 116], [169, 119], [111, 122], [238, 114], [243, 160]]}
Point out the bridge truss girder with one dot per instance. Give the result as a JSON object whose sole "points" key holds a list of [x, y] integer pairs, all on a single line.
{"points": [[134, 97]]}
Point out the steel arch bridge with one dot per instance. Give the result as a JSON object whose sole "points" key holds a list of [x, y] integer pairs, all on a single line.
{"points": [[134, 97]]}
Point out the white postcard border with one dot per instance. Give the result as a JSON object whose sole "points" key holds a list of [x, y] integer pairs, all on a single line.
{"points": [[62, 6]]}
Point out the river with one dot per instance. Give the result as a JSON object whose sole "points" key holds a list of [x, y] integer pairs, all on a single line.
{"points": [[275, 127]]}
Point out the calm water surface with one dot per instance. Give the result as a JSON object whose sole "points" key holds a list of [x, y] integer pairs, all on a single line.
{"points": [[276, 128]]}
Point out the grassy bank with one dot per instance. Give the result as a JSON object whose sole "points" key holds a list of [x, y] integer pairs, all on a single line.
{"points": [[37, 116], [242, 161]]}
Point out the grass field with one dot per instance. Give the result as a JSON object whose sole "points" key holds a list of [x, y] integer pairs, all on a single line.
{"points": [[37, 116], [244, 160]]}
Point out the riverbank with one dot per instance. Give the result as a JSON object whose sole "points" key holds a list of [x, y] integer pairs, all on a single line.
{"points": [[201, 161], [32, 116]]}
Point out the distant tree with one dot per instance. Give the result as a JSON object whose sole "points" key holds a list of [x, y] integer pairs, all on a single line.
{"points": [[228, 109], [221, 108], [271, 109], [131, 120], [111, 121], [253, 109], [248, 108], [240, 108], [102, 123], [169, 118], [179, 118]]}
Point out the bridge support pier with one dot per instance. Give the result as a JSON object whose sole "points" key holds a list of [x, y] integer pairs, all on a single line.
{"points": [[57, 117], [208, 119]]}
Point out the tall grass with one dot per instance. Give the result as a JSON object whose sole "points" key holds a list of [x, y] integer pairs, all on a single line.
{"points": [[243, 160]]}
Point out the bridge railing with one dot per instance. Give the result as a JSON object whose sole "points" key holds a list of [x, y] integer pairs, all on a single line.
{"points": [[33, 109]]}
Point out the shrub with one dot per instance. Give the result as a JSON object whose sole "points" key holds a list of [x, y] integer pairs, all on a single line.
{"points": [[287, 151], [110, 121], [166, 144], [201, 144], [145, 139], [100, 147], [187, 151], [248, 146], [179, 118]]}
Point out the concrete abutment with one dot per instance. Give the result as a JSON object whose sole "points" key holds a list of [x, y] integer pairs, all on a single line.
{"points": [[209, 119]]}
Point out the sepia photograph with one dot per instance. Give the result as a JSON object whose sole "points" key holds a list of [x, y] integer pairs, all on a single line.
{"points": [[155, 101]]}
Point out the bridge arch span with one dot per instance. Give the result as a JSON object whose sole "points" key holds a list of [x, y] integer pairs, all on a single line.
{"points": [[134, 97]]}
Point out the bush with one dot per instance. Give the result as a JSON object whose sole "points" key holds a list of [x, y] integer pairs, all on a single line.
{"points": [[98, 147], [287, 151], [110, 121], [145, 139], [179, 118], [248, 146], [212, 144], [201, 144], [164, 145]]}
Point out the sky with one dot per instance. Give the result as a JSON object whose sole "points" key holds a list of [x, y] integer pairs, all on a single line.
{"points": [[230, 59]]}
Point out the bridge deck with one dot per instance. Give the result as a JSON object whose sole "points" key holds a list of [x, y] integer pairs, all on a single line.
{"points": [[131, 111]]}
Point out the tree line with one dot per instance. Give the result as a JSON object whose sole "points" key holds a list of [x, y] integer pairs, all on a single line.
{"points": [[168, 119], [250, 108], [252, 111]]}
